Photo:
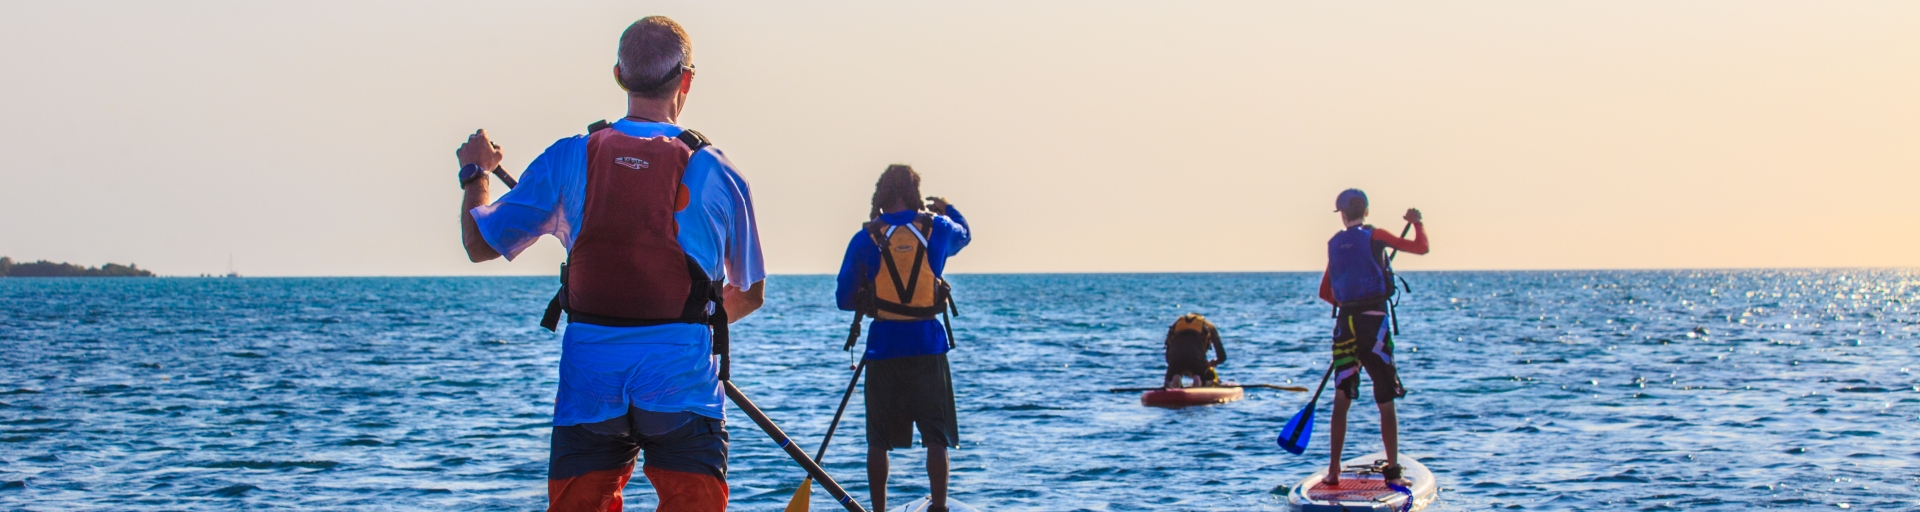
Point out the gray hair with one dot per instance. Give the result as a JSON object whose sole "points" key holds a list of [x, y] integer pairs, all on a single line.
{"points": [[653, 53]]}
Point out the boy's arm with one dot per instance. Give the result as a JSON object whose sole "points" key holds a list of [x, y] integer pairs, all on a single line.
{"points": [[1419, 243], [1326, 286]]}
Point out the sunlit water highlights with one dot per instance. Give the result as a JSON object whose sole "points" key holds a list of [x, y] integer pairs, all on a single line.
{"points": [[1642, 390]]}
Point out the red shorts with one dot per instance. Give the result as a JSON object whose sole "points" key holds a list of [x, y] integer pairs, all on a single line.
{"points": [[686, 458]]}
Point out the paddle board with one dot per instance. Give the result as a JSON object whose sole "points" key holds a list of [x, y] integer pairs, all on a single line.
{"points": [[1362, 488], [920, 505], [1182, 397]]}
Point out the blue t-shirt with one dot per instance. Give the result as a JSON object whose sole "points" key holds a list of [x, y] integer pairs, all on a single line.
{"points": [[891, 339], [664, 368]]}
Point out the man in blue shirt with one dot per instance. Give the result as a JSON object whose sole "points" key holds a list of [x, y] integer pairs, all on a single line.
{"points": [[908, 381], [628, 388]]}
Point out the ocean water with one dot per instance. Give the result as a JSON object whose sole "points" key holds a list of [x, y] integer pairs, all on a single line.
{"points": [[1629, 390]]}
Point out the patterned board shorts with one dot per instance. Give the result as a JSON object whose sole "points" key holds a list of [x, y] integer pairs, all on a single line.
{"points": [[1363, 341]]}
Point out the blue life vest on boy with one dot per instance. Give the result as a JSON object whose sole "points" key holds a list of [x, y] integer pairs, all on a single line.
{"points": [[1357, 275]]}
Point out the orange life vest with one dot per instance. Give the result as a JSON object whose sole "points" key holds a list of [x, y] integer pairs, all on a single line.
{"points": [[906, 287]]}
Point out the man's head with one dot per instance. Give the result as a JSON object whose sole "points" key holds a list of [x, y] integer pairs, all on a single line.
{"points": [[1352, 204], [897, 190], [655, 58]]}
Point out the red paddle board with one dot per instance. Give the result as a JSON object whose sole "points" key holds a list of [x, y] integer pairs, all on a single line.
{"points": [[1182, 397]]}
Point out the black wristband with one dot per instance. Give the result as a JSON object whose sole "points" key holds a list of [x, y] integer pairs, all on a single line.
{"points": [[470, 172]]}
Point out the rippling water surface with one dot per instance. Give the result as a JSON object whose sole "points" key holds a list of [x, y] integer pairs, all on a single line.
{"points": [[1655, 390]]}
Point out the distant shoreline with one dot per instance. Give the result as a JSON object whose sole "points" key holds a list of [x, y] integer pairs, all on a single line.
{"points": [[44, 268]]}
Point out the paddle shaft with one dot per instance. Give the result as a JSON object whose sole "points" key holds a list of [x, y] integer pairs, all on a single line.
{"points": [[800, 457], [1392, 315], [843, 409], [501, 172]]}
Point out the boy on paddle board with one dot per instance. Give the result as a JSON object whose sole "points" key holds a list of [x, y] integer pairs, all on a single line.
{"points": [[1359, 282], [1187, 342], [892, 272], [662, 252]]}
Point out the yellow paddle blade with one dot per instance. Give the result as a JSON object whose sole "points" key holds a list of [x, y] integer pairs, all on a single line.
{"points": [[802, 497]]}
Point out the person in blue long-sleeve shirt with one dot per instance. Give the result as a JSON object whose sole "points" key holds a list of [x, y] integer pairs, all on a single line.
{"points": [[908, 379]]}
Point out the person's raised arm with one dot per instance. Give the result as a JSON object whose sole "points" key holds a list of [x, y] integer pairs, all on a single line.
{"points": [[1416, 246], [960, 233], [483, 153]]}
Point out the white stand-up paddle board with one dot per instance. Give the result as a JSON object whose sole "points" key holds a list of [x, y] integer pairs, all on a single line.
{"points": [[1362, 488], [920, 505]]}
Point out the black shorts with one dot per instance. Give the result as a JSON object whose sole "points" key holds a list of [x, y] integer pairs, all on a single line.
{"points": [[907, 391], [1362, 341], [684, 442]]}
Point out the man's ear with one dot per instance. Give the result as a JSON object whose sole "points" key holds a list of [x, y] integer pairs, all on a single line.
{"points": [[686, 81], [616, 78]]}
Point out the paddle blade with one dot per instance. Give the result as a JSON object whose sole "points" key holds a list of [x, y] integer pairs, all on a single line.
{"points": [[801, 498], [1299, 430]]}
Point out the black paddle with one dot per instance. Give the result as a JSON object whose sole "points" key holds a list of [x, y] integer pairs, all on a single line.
{"points": [[1393, 304], [801, 496], [773, 431], [501, 172], [1299, 430]]}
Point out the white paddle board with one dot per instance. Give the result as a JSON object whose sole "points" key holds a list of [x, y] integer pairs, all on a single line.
{"points": [[1362, 488], [921, 504]]}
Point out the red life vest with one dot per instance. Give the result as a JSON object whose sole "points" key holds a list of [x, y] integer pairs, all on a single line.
{"points": [[626, 267]]}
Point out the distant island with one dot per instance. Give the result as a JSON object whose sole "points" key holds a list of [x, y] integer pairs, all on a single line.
{"points": [[44, 268]]}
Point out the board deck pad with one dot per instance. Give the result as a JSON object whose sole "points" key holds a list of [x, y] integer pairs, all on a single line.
{"points": [[1362, 487], [1353, 487], [920, 505]]}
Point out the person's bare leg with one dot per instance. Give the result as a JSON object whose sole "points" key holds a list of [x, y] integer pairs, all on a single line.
{"points": [[877, 476], [1338, 434], [1390, 432], [937, 475]]}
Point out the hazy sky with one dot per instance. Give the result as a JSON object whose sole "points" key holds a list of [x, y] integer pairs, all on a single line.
{"points": [[316, 138]]}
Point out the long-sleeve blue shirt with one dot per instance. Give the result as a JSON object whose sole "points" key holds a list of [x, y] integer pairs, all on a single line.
{"points": [[890, 339]]}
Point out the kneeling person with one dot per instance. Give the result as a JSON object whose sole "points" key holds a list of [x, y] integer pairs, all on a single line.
{"points": [[1187, 343]]}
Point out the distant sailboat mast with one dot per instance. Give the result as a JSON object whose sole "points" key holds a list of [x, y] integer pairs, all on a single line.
{"points": [[230, 272]]}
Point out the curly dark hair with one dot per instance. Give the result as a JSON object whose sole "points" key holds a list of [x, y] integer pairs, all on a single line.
{"points": [[898, 186]]}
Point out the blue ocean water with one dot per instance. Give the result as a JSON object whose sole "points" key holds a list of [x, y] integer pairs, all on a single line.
{"points": [[1629, 390]]}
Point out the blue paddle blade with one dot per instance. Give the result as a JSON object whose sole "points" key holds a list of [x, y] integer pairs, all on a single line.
{"points": [[1299, 430]]}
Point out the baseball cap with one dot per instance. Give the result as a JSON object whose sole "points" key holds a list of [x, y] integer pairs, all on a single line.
{"points": [[1347, 196]]}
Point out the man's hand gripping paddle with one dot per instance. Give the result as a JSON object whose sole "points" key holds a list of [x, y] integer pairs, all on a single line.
{"points": [[802, 498], [1299, 430]]}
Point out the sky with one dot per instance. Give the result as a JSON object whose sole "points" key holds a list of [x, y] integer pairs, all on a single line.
{"points": [[317, 138]]}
